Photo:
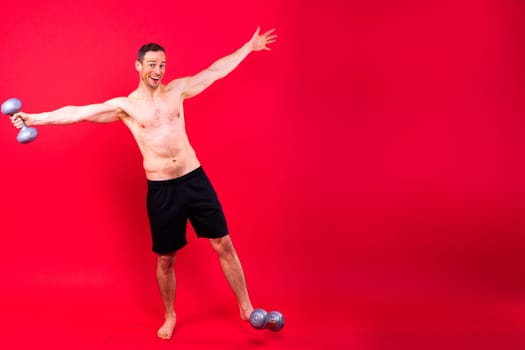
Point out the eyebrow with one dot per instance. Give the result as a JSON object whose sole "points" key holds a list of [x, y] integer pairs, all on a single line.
{"points": [[154, 61]]}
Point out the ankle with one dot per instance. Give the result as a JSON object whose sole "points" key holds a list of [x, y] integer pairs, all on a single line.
{"points": [[170, 315], [246, 308]]}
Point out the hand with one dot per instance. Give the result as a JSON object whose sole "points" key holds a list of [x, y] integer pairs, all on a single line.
{"points": [[18, 119], [259, 41]]}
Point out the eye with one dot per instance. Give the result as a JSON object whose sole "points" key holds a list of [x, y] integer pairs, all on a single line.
{"points": [[152, 65], [162, 66]]}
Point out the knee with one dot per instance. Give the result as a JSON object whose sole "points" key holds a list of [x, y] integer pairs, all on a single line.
{"points": [[223, 246], [165, 263]]}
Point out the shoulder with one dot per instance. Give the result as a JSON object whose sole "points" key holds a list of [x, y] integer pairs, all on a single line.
{"points": [[118, 101], [124, 103]]}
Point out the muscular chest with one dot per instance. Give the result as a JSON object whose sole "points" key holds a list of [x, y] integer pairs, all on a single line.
{"points": [[159, 115]]}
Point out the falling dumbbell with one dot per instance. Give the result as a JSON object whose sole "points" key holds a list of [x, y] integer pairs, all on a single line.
{"points": [[273, 320], [26, 133]]}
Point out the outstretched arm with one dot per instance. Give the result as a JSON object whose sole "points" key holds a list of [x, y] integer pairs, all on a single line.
{"points": [[222, 67], [100, 113]]}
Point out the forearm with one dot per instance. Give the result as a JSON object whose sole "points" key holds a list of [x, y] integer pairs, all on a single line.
{"points": [[225, 65], [99, 113], [64, 115]]}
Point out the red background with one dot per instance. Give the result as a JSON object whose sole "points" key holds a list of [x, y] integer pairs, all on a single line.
{"points": [[370, 167]]}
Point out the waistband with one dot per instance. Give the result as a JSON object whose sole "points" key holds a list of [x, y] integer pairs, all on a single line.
{"points": [[177, 180]]}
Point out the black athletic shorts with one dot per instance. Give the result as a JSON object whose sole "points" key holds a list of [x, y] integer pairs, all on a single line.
{"points": [[172, 202]]}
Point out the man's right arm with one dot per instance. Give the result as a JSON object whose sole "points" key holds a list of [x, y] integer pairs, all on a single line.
{"points": [[194, 85], [106, 112]]}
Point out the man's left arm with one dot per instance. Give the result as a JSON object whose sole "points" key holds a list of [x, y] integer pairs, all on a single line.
{"points": [[194, 85]]}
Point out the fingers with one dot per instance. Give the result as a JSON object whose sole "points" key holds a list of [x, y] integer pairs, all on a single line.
{"points": [[270, 38], [268, 32], [17, 120], [268, 42], [17, 123]]}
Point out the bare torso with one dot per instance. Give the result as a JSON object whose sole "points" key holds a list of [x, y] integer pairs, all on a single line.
{"points": [[157, 124]]}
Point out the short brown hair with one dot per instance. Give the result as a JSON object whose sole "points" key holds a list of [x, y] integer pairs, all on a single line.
{"points": [[148, 47]]}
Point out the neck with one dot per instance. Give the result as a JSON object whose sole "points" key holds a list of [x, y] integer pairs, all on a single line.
{"points": [[147, 93]]}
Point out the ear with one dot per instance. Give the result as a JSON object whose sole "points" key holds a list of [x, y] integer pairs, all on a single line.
{"points": [[138, 65]]}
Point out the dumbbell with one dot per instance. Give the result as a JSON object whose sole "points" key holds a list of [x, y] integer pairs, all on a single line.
{"points": [[26, 133], [273, 320]]}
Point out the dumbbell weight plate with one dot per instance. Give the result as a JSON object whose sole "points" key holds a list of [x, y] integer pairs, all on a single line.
{"points": [[275, 321], [11, 106], [258, 318]]}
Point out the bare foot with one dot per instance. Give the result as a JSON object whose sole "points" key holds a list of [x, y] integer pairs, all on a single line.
{"points": [[246, 312], [166, 330]]}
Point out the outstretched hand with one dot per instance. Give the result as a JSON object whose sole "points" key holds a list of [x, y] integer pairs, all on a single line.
{"points": [[260, 41]]}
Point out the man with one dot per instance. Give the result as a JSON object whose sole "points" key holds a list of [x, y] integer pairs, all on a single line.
{"points": [[178, 188]]}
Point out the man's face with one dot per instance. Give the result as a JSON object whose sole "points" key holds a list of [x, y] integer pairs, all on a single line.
{"points": [[152, 68]]}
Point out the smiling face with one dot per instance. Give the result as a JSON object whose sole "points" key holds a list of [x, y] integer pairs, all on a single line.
{"points": [[152, 68]]}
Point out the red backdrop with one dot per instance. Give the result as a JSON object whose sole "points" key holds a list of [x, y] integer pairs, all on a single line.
{"points": [[370, 166]]}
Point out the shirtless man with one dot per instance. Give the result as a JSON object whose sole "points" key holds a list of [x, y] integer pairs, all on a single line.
{"points": [[178, 188]]}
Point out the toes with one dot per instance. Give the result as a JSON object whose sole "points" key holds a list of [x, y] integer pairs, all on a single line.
{"points": [[162, 334]]}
